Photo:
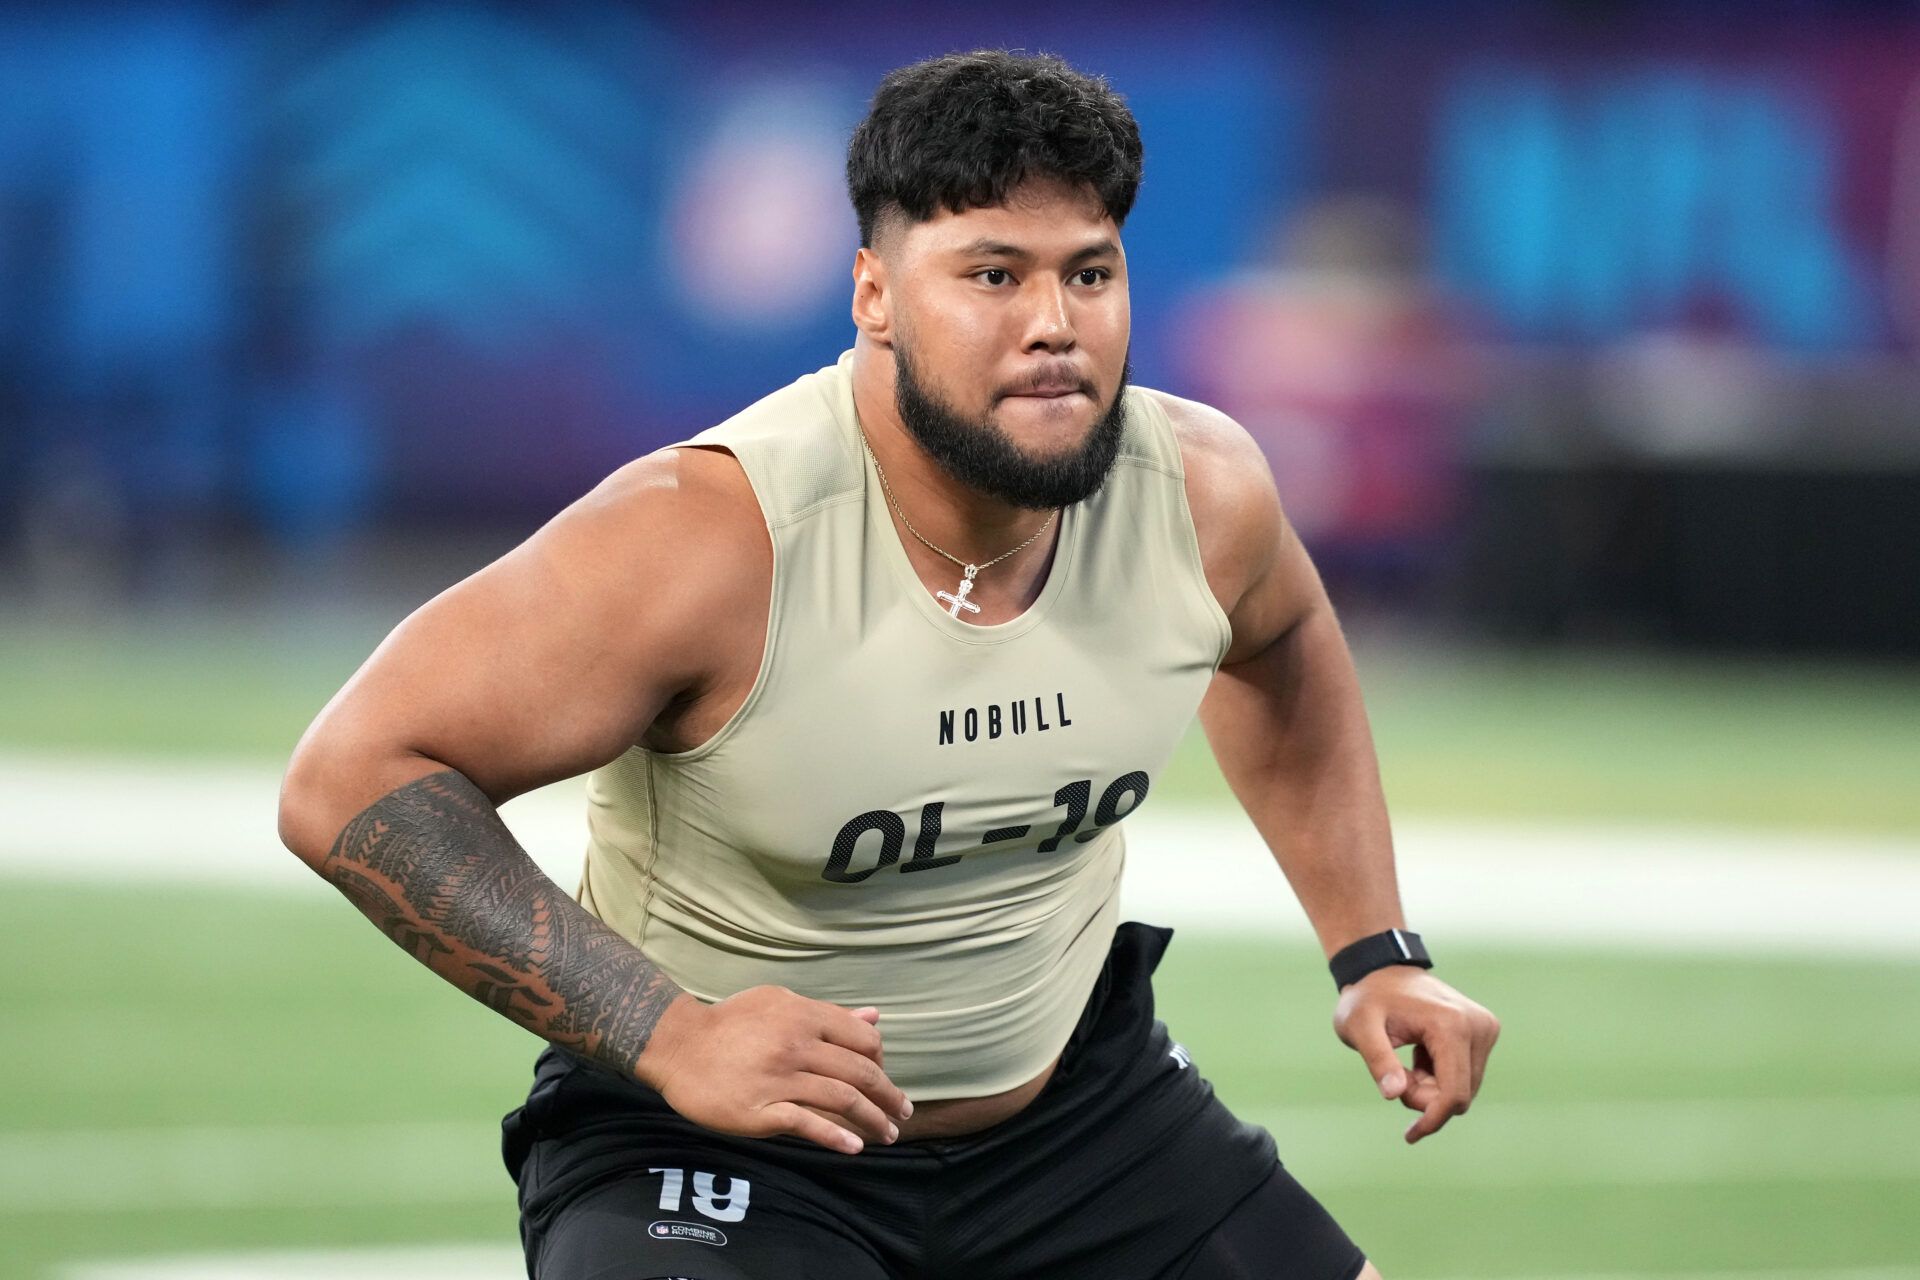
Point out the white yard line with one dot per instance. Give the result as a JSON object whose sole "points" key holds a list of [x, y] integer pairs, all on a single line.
{"points": [[1853, 1273], [84, 819], [424, 1262], [1845, 1273], [1498, 1144]]}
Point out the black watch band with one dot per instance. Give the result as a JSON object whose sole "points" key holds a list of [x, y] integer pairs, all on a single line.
{"points": [[1358, 959]]}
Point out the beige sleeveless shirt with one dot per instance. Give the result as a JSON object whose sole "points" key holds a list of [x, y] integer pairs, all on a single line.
{"points": [[910, 811]]}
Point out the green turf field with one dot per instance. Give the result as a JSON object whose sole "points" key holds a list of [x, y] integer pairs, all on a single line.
{"points": [[192, 1069], [1644, 1114]]}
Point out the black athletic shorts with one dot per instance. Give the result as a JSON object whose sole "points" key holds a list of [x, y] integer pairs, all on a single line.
{"points": [[1125, 1166]]}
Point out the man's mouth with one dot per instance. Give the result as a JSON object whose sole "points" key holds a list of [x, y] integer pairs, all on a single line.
{"points": [[1047, 393]]}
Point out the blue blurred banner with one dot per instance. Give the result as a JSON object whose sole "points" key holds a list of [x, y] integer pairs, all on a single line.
{"points": [[312, 266], [299, 269]]}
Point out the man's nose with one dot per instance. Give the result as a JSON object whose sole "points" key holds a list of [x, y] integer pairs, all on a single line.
{"points": [[1049, 318]]}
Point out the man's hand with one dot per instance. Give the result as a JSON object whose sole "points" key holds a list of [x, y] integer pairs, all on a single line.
{"points": [[1451, 1035], [768, 1061]]}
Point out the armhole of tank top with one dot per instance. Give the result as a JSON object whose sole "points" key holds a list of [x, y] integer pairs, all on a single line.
{"points": [[653, 855], [733, 722], [1189, 538]]}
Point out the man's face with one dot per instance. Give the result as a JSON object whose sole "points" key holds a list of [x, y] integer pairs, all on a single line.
{"points": [[1011, 327]]}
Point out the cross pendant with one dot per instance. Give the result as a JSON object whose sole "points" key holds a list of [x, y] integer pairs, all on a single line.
{"points": [[959, 601]]}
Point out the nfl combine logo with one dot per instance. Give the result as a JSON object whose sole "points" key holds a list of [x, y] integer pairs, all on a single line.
{"points": [[696, 1231]]}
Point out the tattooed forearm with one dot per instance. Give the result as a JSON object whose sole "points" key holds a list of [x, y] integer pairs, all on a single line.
{"points": [[434, 867]]}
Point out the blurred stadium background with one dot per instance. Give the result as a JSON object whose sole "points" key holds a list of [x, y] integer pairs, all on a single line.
{"points": [[1585, 339]]}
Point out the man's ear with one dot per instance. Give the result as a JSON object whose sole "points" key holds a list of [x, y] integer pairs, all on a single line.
{"points": [[872, 303]]}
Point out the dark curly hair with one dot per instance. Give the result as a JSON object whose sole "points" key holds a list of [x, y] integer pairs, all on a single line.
{"points": [[963, 131]]}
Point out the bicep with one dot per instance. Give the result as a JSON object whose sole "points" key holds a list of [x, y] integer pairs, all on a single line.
{"points": [[1285, 594], [547, 663], [521, 675]]}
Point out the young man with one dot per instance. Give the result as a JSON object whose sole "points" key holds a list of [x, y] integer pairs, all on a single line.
{"points": [[868, 677]]}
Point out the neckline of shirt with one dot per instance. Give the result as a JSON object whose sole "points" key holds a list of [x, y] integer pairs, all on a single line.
{"points": [[880, 524]]}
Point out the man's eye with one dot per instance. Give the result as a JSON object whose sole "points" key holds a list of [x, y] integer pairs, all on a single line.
{"points": [[994, 275], [1093, 275]]}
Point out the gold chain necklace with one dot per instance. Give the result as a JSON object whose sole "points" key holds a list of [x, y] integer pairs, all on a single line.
{"points": [[957, 599]]}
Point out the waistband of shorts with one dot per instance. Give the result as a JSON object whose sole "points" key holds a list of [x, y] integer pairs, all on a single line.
{"points": [[570, 1091]]}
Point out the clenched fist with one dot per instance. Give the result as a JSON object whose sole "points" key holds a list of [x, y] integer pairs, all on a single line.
{"points": [[768, 1061]]}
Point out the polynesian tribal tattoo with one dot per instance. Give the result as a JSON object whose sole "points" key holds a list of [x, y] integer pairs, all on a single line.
{"points": [[432, 865]]}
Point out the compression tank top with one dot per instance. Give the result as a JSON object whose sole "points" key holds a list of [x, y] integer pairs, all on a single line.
{"points": [[910, 811]]}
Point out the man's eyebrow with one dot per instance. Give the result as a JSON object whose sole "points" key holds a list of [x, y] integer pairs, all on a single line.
{"points": [[1001, 249]]}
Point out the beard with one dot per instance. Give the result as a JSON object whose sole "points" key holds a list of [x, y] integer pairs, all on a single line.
{"points": [[983, 457]]}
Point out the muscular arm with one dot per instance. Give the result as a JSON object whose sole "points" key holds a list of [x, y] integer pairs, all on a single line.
{"points": [[1290, 732], [1286, 722], [620, 617], [1284, 715], [519, 675], [432, 865]]}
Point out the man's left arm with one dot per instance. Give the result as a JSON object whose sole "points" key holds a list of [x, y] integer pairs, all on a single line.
{"points": [[1287, 724]]}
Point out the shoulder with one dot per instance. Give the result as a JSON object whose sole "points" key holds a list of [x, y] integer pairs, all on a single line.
{"points": [[685, 500], [690, 492], [673, 539], [1231, 494]]}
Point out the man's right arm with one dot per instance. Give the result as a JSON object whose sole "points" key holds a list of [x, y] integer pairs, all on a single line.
{"points": [[544, 665], [433, 866]]}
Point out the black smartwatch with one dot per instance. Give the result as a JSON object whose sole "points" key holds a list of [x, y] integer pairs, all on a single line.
{"points": [[1358, 959]]}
